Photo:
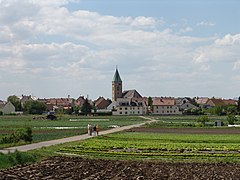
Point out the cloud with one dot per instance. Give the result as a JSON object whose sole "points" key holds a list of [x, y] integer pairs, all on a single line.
{"points": [[143, 21], [206, 23], [228, 40], [43, 41], [185, 30], [224, 50]]}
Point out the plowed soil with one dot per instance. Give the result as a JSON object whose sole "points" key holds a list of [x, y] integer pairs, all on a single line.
{"points": [[78, 168]]}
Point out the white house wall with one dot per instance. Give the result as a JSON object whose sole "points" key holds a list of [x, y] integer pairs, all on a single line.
{"points": [[166, 110]]}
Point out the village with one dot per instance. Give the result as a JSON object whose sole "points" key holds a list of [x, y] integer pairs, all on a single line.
{"points": [[123, 102]]}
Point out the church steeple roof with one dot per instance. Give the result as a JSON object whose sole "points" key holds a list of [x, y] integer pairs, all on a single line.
{"points": [[116, 77]]}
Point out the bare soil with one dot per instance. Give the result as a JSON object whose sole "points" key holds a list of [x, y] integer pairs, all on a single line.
{"points": [[188, 130], [78, 168]]}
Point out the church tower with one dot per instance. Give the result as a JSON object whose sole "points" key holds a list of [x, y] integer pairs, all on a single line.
{"points": [[116, 86]]}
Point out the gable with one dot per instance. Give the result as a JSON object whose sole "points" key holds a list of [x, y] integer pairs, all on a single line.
{"points": [[131, 94]]}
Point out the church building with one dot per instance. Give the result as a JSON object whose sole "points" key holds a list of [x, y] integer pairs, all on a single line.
{"points": [[128, 102]]}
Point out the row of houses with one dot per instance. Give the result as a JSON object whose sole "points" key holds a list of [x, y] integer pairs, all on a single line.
{"points": [[128, 102], [165, 105], [53, 104], [131, 103]]}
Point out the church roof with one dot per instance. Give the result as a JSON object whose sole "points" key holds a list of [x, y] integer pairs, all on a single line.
{"points": [[116, 77], [131, 94]]}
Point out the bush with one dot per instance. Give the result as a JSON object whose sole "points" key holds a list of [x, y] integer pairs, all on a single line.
{"points": [[20, 134], [12, 159], [231, 119], [203, 120]]}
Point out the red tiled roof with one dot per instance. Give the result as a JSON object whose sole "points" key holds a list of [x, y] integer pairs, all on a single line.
{"points": [[163, 102]]}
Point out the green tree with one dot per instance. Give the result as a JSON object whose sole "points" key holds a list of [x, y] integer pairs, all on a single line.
{"points": [[238, 104], [34, 107], [203, 120], [231, 109], [231, 119], [15, 101], [217, 110], [150, 102], [86, 107]]}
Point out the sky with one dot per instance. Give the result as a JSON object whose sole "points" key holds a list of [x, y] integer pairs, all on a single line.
{"points": [[56, 48]]}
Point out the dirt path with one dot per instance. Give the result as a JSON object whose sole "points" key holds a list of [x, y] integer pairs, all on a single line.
{"points": [[33, 146]]}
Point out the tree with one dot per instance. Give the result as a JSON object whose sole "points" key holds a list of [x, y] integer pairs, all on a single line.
{"points": [[217, 110], [203, 120], [15, 101], [238, 104], [34, 107], [231, 119], [150, 102], [86, 107], [231, 109]]}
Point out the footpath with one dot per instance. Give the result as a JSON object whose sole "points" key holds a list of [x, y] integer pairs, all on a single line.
{"points": [[39, 145]]}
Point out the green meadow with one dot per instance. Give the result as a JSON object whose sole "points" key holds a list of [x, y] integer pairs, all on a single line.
{"points": [[64, 126]]}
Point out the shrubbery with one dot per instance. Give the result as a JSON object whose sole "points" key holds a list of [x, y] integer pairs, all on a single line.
{"points": [[12, 159], [24, 134]]}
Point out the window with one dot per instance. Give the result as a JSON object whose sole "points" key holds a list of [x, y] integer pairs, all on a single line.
{"points": [[120, 108], [125, 108], [163, 112], [120, 112], [126, 112], [138, 112]]}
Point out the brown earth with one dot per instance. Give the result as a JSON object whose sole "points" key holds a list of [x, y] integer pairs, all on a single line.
{"points": [[188, 130], [78, 168]]}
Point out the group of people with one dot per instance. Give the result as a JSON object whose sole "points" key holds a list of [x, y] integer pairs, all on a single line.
{"points": [[93, 130]]}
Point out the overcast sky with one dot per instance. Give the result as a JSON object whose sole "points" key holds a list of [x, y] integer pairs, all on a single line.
{"points": [[56, 48]]}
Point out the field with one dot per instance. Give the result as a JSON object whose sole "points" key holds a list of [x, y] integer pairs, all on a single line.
{"points": [[160, 146], [167, 149], [66, 126]]}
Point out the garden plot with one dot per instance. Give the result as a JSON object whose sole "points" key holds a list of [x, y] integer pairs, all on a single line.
{"points": [[170, 147]]}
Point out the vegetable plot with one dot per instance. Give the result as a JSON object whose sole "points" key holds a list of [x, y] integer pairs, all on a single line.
{"points": [[170, 147]]}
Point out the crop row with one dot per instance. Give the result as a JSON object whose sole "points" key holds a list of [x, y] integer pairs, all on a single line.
{"points": [[147, 145]]}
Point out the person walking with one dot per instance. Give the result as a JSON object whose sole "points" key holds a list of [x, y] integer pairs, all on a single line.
{"points": [[90, 129], [97, 129]]}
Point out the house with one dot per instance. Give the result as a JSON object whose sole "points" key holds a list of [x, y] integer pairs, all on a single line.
{"points": [[24, 99], [213, 102], [128, 106], [7, 108], [58, 103], [185, 104], [165, 106], [202, 102], [102, 103]]}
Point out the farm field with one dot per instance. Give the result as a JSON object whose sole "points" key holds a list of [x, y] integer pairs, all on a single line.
{"points": [[161, 146], [150, 152], [44, 130]]}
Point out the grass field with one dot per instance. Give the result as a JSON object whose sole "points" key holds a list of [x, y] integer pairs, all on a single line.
{"points": [[126, 145], [170, 147], [66, 126]]}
